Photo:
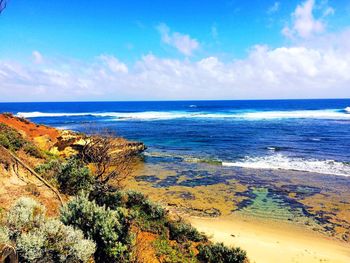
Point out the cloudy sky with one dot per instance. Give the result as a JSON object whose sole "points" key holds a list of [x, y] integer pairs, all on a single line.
{"points": [[169, 50]]}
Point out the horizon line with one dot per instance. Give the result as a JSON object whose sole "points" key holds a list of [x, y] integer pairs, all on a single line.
{"points": [[184, 100]]}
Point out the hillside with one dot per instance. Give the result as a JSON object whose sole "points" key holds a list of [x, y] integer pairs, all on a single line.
{"points": [[56, 185]]}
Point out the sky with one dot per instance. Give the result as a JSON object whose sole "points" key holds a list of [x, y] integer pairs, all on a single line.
{"points": [[174, 50]]}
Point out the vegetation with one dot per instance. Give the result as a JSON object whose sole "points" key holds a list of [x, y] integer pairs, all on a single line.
{"points": [[110, 229], [38, 239], [10, 138], [219, 253], [182, 231], [13, 141], [101, 222], [74, 177], [173, 252]]}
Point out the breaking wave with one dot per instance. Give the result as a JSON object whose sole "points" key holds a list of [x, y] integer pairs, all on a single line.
{"points": [[281, 162], [332, 114]]}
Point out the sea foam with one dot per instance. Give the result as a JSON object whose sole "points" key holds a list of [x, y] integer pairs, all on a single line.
{"points": [[332, 114], [281, 162]]}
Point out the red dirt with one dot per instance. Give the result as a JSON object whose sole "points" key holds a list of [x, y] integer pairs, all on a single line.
{"points": [[29, 129]]}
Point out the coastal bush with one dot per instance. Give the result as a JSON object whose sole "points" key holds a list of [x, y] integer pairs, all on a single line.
{"points": [[219, 253], [26, 214], [110, 229], [38, 239], [74, 177], [49, 170], [10, 138], [32, 150], [173, 253], [13, 141], [4, 235], [131, 200], [182, 231]]}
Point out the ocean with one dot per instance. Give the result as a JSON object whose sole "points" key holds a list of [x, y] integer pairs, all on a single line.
{"points": [[312, 136]]}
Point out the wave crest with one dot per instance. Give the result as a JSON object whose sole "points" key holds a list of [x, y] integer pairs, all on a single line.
{"points": [[234, 115], [281, 162]]}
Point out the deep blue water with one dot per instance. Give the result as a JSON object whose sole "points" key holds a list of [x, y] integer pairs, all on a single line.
{"points": [[307, 135]]}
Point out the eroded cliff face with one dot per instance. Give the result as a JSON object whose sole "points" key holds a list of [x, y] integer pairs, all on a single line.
{"points": [[17, 181], [61, 142]]}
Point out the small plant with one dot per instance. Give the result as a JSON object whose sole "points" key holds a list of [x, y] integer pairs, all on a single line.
{"points": [[4, 235], [25, 215], [10, 138], [108, 228], [172, 252], [182, 231], [32, 150], [219, 253], [38, 239], [49, 170], [74, 177]]}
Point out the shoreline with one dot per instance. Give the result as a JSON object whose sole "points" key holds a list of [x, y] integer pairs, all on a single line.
{"points": [[270, 241]]}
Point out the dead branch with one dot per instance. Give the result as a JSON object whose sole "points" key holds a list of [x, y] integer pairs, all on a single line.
{"points": [[34, 173], [112, 161]]}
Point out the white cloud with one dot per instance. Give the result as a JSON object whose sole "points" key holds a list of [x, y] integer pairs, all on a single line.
{"points": [[304, 23], [114, 64], [274, 8], [37, 57], [183, 43], [285, 72]]}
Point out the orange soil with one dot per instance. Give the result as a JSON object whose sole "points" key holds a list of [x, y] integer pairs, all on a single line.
{"points": [[28, 129], [145, 251]]}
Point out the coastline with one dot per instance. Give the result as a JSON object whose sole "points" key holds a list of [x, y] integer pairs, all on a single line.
{"points": [[269, 241]]}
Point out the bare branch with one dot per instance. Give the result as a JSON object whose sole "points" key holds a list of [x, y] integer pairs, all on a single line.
{"points": [[112, 161]]}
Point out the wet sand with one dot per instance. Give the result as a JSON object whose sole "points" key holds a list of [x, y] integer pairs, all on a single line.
{"points": [[267, 242]]}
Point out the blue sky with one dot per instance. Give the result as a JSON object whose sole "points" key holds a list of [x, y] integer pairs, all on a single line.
{"points": [[167, 46]]}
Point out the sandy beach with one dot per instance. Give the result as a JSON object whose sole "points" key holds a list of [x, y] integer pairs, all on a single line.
{"points": [[267, 242]]}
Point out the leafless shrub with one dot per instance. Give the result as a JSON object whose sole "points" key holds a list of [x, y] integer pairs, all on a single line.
{"points": [[112, 160]]}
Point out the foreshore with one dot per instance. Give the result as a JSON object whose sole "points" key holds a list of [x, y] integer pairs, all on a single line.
{"points": [[271, 241], [276, 216]]}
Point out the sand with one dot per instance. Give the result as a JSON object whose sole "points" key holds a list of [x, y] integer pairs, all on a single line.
{"points": [[274, 242]]}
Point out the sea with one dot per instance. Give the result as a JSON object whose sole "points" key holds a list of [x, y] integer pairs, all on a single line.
{"points": [[312, 136]]}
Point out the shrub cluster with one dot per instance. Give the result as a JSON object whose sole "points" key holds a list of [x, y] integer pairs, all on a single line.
{"points": [[10, 138], [50, 169], [74, 177], [13, 140], [182, 231], [38, 239], [131, 200], [108, 228], [219, 253]]}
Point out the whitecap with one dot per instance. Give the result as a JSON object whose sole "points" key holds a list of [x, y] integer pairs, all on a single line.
{"points": [[281, 162], [233, 115]]}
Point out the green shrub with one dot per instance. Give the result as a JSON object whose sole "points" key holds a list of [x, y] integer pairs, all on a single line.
{"points": [[32, 150], [25, 215], [49, 170], [182, 231], [135, 198], [74, 177], [13, 140], [219, 253], [173, 253], [153, 210], [10, 138], [4, 235], [109, 198], [38, 239], [108, 228]]}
